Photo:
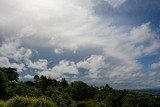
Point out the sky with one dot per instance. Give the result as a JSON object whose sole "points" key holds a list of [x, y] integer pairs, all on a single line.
{"points": [[115, 42]]}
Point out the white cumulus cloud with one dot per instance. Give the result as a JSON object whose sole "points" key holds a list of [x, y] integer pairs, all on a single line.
{"points": [[41, 64], [155, 65], [73, 25], [64, 67], [29, 77], [93, 64], [4, 62]]}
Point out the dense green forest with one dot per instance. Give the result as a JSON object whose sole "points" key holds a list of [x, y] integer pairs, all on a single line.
{"points": [[47, 92]]}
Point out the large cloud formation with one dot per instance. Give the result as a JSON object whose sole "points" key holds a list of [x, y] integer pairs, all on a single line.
{"points": [[73, 25]]}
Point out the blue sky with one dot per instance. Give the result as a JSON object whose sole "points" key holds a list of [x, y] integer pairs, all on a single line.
{"points": [[96, 41]]}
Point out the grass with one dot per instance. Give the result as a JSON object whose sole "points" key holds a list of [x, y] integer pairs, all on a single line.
{"points": [[27, 102]]}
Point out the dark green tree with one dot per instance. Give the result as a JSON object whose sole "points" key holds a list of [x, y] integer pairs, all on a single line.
{"points": [[21, 89], [64, 83], [11, 73], [3, 85], [36, 79], [139, 100], [80, 91], [31, 83], [44, 82]]}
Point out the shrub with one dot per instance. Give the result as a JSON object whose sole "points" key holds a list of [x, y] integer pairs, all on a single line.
{"points": [[139, 100], [43, 102], [22, 89], [91, 103], [29, 102], [2, 104]]}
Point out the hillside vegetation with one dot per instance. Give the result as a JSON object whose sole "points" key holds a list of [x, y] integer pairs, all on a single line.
{"points": [[47, 92]]}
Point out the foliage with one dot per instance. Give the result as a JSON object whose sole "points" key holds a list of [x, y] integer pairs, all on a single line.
{"points": [[79, 90], [139, 100], [64, 83], [2, 104], [29, 102], [3, 85], [11, 73], [58, 95], [22, 89], [91, 103], [63, 94]]}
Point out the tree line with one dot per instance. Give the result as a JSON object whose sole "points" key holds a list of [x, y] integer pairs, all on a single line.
{"points": [[74, 94]]}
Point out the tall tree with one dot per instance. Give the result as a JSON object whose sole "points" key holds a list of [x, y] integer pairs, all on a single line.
{"points": [[80, 90], [11, 73], [3, 85], [36, 79], [64, 83]]}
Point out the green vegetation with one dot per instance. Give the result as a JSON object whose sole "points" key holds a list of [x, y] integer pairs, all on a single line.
{"points": [[3, 85], [27, 102], [47, 92], [2, 104]]}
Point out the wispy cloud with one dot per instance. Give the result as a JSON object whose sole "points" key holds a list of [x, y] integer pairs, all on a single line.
{"points": [[115, 3]]}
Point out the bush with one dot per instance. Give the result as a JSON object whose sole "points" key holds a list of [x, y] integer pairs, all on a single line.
{"points": [[22, 89], [139, 100], [2, 104], [43, 102], [29, 102], [91, 103]]}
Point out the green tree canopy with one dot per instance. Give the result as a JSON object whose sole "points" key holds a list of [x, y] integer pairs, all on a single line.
{"points": [[3, 85], [64, 83], [80, 90], [11, 73]]}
